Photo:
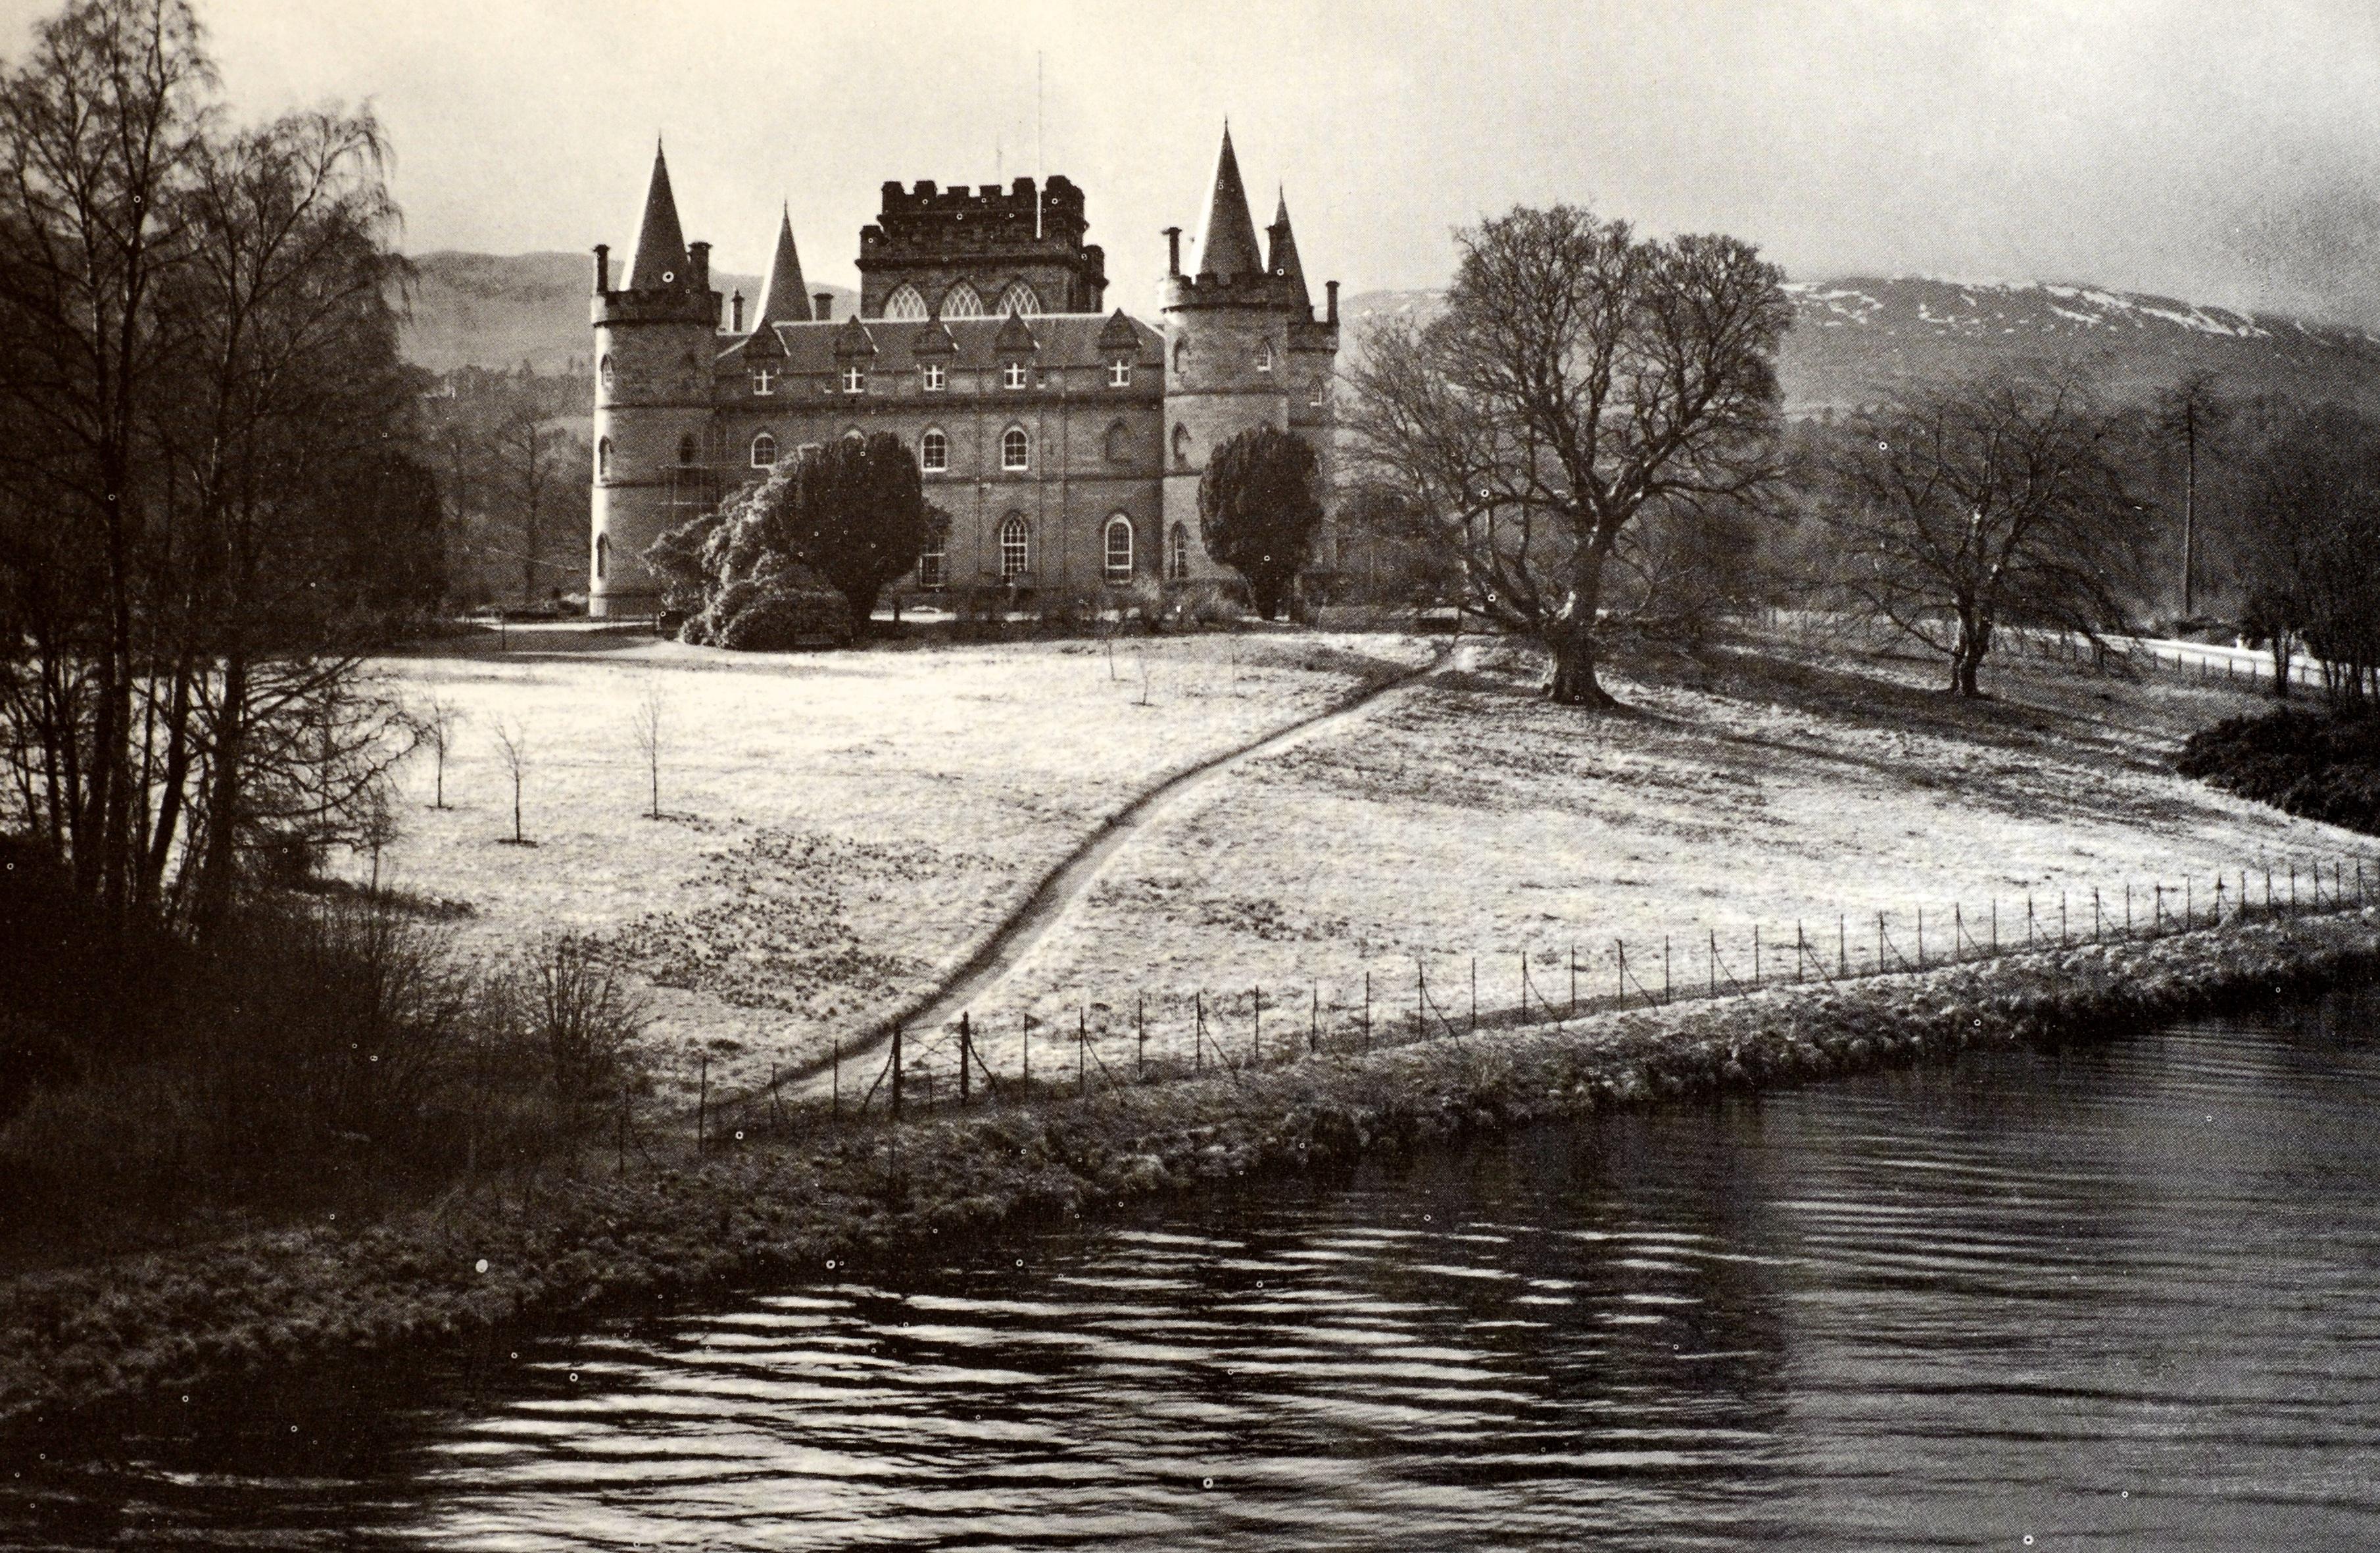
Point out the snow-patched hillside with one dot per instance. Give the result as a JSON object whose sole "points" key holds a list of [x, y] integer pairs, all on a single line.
{"points": [[1854, 341]]}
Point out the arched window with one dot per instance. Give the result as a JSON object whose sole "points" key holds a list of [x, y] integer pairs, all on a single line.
{"points": [[1020, 299], [603, 459], [1264, 356], [933, 563], [602, 556], [1016, 449], [604, 372], [1181, 352], [1177, 555], [1181, 446], [1119, 549], [1119, 443], [961, 301], [933, 451], [906, 301], [1015, 547], [853, 434], [764, 451], [688, 449]]}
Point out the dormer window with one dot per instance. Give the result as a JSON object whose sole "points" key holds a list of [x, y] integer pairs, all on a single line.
{"points": [[1013, 374], [929, 377], [764, 380], [855, 380], [1120, 372]]}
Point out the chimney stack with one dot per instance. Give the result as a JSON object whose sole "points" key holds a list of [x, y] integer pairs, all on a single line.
{"points": [[1332, 287], [697, 264], [602, 268], [1173, 251], [737, 304], [822, 304]]}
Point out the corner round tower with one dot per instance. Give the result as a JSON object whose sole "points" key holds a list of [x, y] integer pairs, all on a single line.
{"points": [[654, 350], [1242, 349]]}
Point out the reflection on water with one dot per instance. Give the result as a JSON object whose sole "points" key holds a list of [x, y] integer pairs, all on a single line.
{"points": [[2121, 1297]]}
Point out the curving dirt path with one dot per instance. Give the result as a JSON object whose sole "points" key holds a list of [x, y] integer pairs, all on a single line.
{"points": [[1066, 883]]}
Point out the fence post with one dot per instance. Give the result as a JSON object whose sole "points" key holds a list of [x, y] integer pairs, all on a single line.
{"points": [[1140, 1022], [1668, 995], [1755, 956], [1474, 994], [1082, 1051], [834, 1095], [1256, 1013], [967, 1054], [1842, 945], [1712, 960], [702, 1104], [1573, 979], [1879, 944], [1524, 987], [1996, 925], [1421, 993], [1801, 951], [896, 1073], [1198, 1033], [2188, 902], [1921, 938], [2098, 929], [1368, 1011], [1957, 930], [1024, 1059], [1313, 1032]]}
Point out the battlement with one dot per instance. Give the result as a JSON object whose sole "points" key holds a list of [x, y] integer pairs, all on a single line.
{"points": [[934, 237], [1273, 293]]}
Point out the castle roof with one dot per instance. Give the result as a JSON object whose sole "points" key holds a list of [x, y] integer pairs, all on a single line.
{"points": [[1228, 245], [1061, 340], [659, 265], [1282, 259], [787, 299]]}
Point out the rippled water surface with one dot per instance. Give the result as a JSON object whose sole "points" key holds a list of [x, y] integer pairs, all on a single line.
{"points": [[2119, 1297]]}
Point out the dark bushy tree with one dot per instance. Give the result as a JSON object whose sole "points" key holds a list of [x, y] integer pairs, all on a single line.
{"points": [[1580, 378], [2313, 577], [1258, 511]]}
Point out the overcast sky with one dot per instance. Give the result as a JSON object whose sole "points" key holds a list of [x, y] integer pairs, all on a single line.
{"points": [[2225, 153]]}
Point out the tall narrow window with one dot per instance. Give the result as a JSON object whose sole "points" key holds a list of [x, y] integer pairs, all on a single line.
{"points": [[855, 380], [1119, 549], [1119, 443], [1181, 352], [931, 378], [1180, 446], [933, 451], [933, 563], [1016, 449], [1013, 374], [1015, 547], [688, 450], [1120, 372], [961, 301], [603, 459], [1177, 555], [764, 451], [1264, 358], [1020, 299], [906, 301], [604, 372], [602, 556]]}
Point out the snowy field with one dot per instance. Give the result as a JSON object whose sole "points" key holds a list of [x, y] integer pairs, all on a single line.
{"points": [[838, 828], [1460, 817]]}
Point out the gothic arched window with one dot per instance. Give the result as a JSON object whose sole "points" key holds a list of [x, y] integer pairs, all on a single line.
{"points": [[688, 449], [1177, 555], [1119, 549], [933, 451], [602, 556], [1180, 446], [1015, 547], [961, 301], [604, 372], [1020, 299], [906, 301], [603, 459], [1016, 449], [1181, 352], [764, 451], [1119, 443]]}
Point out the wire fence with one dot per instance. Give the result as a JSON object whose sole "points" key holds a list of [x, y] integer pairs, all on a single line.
{"points": [[1006, 1056]]}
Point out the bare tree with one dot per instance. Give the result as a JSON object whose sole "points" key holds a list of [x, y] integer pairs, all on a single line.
{"points": [[440, 718], [647, 720], [1996, 502], [2189, 415], [1580, 378], [512, 749]]}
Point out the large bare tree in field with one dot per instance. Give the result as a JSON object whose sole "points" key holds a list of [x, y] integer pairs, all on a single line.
{"points": [[1580, 379], [2000, 501]]}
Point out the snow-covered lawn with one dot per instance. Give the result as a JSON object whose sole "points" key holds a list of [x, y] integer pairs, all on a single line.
{"points": [[1778, 792], [838, 828]]}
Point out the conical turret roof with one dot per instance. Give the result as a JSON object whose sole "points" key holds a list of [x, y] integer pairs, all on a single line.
{"points": [[1282, 259], [787, 299], [660, 263], [1228, 245]]}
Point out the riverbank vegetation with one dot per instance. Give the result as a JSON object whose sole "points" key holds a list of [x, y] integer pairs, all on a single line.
{"points": [[2323, 767]]}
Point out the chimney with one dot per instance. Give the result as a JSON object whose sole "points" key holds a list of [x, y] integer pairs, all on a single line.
{"points": [[602, 268], [737, 304], [697, 264], [1173, 251], [1332, 287], [821, 304]]}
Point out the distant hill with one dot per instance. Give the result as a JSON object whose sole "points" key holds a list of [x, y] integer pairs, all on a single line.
{"points": [[481, 309], [1854, 341]]}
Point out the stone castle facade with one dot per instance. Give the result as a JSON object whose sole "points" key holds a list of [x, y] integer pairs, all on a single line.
{"points": [[1065, 442]]}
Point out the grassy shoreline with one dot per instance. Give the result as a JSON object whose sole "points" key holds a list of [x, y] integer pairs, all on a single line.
{"points": [[546, 1250]]}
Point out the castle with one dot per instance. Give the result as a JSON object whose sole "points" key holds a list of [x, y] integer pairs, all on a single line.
{"points": [[1064, 442]]}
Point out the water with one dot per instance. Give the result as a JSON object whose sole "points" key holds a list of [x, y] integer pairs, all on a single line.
{"points": [[2125, 1297]]}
